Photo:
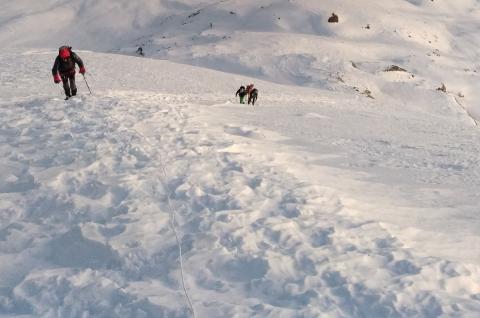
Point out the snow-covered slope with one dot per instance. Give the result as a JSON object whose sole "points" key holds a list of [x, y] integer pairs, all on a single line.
{"points": [[318, 202], [286, 41], [298, 207]]}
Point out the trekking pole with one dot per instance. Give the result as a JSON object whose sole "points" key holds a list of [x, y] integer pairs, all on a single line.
{"points": [[87, 84], [62, 92]]}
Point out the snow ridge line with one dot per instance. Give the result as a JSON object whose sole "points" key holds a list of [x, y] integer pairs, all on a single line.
{"points": [[173, 213], [466, 111]]}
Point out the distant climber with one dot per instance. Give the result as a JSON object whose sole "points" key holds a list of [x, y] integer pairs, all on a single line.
{"points": [[64, 70], [140, 51], [252, 94], [241, 93], [249, 89], [252, 97]]}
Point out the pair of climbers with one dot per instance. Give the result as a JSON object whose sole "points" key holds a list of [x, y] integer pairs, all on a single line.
{"points": [[250, 91], [64, 69]]}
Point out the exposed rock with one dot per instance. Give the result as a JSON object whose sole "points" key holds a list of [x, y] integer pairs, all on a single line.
{"points": [[442, 88], [368, 93], [333, 18], [395, 68], [365, 92], [194, 14]]}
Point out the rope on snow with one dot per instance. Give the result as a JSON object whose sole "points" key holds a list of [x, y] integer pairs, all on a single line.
{"points": [[173, 213]]}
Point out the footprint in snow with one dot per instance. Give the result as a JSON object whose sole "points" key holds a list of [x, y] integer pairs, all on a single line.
{"points": [[72, 249], [314, 116], [18, 179], [321, 237], [242, 131], [242, 269]]}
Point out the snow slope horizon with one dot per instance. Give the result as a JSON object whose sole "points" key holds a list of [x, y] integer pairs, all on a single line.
{"points": [[320, 202], [286, 42], [283, 211]]}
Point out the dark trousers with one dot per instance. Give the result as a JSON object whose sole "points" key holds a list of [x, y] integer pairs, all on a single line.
{"points": [[70, 89], [252, 98]]}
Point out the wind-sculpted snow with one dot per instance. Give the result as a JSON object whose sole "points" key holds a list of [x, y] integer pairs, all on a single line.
{"points": [[311, 204]]}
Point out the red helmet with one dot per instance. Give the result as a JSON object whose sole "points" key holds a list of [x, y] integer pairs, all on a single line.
{"points": [[64, 52]]}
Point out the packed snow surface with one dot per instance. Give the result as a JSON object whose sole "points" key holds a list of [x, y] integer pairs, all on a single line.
{"points": [[346, 191]]}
